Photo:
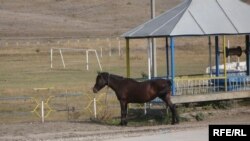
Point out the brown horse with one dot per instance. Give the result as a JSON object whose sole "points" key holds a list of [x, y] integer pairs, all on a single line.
{"points": [[130, 91]]}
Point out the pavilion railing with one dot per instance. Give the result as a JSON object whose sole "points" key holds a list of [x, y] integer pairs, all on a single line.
{"points": [[238, 83], [207, 85]]}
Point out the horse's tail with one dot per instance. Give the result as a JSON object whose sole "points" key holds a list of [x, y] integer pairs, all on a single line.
{"points": [[167, 87]]}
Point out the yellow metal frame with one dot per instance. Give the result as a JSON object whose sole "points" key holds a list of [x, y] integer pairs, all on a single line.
{"points": [[36, 107], [46, 104], [199, 78], [209, 78], [98, 99]]}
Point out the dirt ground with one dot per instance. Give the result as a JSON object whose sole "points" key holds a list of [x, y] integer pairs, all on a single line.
{"points": [[85, 131], [64, 18]]}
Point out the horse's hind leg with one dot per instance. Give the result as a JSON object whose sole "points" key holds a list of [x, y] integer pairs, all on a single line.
{"points": [[175, 117]]}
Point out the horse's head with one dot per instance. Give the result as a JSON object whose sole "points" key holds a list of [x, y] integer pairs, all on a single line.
{"points": [[101, 81]]}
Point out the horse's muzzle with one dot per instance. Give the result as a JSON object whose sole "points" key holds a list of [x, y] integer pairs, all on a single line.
{"points": [[95, 90]]}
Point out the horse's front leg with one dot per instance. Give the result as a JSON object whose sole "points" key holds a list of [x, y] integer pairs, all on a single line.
{"points": [[123, 112]]}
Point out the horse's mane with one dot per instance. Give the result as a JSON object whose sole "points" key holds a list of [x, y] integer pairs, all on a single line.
{"points": [[117, 77]]}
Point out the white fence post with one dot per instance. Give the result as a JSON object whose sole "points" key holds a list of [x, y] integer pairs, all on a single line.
{"points": [[119, 46], [109, 45], [95, 107], [98, 60], [62, 58], [101, 52], [51, 58], [87, 56], [87, 60], [42, 111], [145, 108]]}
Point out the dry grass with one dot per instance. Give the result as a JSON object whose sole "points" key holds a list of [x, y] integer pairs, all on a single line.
{"points": [[74, 18], [25, 65], [88, 18]]}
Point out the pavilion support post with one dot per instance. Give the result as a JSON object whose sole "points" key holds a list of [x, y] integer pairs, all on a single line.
{"points": [[210, 55], [167, 57], [172, 64], [225, 62], [154, 58], [217, 56], [127, 58], [248, 55]]}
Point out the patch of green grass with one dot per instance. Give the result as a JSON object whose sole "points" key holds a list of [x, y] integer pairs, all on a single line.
{"points": [[223, 104], [136, 117], [199, 116]]}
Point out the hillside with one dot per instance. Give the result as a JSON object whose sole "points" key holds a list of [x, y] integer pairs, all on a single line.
{"points": [[60, 18], [85, 18]]}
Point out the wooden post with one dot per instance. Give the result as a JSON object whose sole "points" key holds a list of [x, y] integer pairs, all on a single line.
{"points": [[167, 57], [127, 58], [217, 55], [210, 55], [119, 46], [247, 55], [225, 62]]}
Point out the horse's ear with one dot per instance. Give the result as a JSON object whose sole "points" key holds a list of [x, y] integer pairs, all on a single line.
{"points": [[99, 72]]}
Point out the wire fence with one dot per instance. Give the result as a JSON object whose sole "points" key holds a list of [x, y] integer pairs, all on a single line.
{"points": [[65, 106]]}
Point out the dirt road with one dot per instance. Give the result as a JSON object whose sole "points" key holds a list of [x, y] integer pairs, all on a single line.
{"points": [[196, 134], [87, 131]]}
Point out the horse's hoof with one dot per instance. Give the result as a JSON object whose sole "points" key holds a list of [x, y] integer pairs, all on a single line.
{"points": [[173, 123], [176, 122], [123, 123]]}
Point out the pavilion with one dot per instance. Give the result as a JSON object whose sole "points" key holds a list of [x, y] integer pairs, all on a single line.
{"points": [[201, 18]]}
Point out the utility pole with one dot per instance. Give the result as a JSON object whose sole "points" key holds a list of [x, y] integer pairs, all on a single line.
{"points": [[152, 72], [152, 3], [154, 55]]}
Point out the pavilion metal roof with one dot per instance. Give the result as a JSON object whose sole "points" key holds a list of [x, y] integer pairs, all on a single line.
{"points": [[197, 18]]}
